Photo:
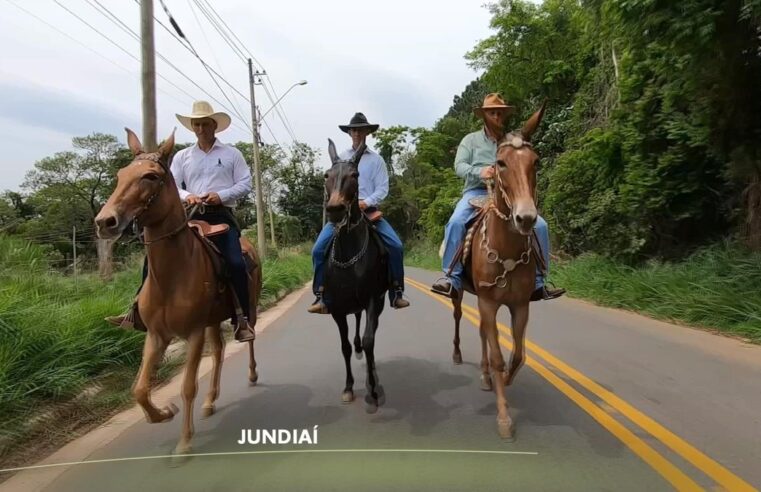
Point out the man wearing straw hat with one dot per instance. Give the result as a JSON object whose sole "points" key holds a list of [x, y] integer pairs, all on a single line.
{"points": [[373, 188], [474, 163], [214, 176]]}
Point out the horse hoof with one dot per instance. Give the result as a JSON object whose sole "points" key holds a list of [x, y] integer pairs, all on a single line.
{"points": [[506, 430], [347, 396], [457, 358], [253, 377], [180, 456], [167, 413], [486, 384], [207, 411], [358, 354], [371, 404], [380, 394]]}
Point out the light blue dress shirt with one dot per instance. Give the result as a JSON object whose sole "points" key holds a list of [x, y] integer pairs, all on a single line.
{"points": [[373, 176]]}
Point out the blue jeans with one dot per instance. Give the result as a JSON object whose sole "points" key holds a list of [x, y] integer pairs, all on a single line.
{"points": [[454, 235], [390, 240]]}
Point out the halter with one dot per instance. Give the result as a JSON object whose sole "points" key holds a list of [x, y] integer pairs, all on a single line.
{"points": [[156, 157]]}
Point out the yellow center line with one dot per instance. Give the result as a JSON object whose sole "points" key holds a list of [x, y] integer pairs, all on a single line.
{"points": [[665, 468], [694, 456]]}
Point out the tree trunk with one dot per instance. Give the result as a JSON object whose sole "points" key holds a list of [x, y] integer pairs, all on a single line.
{"points": [[105, 249]]}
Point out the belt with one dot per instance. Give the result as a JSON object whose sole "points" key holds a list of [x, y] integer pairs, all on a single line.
{"points": [[214, 209]]}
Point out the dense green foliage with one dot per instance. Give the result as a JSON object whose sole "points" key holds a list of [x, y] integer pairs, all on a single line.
{"points": [[650, 145]]}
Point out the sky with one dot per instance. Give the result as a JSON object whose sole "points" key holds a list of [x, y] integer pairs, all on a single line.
{"points": [[400, 62]]}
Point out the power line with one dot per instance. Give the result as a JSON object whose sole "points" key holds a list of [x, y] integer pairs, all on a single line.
{"points": [[195, 52], [179, 40], [110, 60], [238, 50], [120, 48], [115, 20]]}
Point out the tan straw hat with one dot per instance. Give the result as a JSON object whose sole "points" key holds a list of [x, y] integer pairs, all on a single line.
{"points": [[202, 109], [493, 101]]}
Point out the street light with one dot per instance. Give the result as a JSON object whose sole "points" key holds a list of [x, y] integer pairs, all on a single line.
{"points": [[301, 82], [257, 164]]}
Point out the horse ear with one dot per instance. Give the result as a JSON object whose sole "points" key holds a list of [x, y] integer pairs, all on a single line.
{"points": [[358, 155], [332, 151], [167, 146], [134, 143], [533, 123]]}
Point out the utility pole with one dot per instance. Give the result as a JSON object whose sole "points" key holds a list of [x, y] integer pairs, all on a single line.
{"points": [[260, 234], [149, 75], [74, 248]]}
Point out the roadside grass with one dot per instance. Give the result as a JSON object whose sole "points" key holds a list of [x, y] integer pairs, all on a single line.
{"points": [[717, 288], [62, 368]]}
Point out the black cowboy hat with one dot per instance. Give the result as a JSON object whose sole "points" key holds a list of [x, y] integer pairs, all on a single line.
{"points": [[358, 121]]}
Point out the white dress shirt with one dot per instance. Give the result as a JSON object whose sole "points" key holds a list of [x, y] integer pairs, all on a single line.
{"points": [[222, 170], [373, 176]]}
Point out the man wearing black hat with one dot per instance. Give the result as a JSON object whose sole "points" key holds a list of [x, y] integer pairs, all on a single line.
{"points": [[373, 188]]}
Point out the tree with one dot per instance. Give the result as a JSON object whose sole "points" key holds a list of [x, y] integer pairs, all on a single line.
{"points": [[303, 188]]}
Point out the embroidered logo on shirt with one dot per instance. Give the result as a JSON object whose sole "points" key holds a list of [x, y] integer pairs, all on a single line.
{"points": [[219, 162]]}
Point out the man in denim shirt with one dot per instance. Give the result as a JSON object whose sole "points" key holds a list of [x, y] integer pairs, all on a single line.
{"points": [[474, 163]]}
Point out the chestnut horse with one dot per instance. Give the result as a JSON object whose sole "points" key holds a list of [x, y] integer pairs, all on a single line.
{"points": [[501, 268], [182, 296]]}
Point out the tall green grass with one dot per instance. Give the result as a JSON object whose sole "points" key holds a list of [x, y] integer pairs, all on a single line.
{"points": [[54, 343], [718, 287]]}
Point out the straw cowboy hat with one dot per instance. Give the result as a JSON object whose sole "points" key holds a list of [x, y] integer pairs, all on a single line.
{"points": [[493, 101], [358, 121], [202, 109]]}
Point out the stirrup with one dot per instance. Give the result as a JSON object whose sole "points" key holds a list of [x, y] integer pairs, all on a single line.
{"points": [[243, 331], [450, 293]]}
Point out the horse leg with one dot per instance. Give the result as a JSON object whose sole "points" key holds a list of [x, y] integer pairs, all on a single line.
{"points": [[375, 395], [214, 335], [357, 341], [486, 382], [189, 389], [519, 323], [253, 376], [153, 349], [343, 330], [488, 310], [457, 304]]}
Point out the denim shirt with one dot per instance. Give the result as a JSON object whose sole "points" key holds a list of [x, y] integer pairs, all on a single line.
{"points": [[475, 152]]}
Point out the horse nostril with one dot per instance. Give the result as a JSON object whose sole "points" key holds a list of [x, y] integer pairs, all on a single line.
{"points": [[110, 222], [519, 218]]}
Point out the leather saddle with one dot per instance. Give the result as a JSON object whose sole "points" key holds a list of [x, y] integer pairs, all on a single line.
{"points": [[204, 229]]}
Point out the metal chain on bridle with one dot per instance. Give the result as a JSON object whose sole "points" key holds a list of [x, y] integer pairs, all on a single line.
{"points": [[492, 255]]}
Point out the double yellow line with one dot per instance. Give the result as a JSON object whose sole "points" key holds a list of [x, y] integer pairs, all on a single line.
{"points": [[721, 475]]}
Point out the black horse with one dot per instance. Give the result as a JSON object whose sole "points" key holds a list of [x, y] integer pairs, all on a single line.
{"points": [[356, 273]]}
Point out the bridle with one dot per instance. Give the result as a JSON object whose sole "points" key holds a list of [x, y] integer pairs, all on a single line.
{"points": [[492, 255], [156, 157]]}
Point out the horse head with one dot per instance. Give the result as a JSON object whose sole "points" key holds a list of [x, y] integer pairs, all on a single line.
{"points": [[138, 185], [515, 175], [342, 186]]}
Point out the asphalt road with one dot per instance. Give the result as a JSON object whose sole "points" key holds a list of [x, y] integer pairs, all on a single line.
{"points": [[608, 401]]}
